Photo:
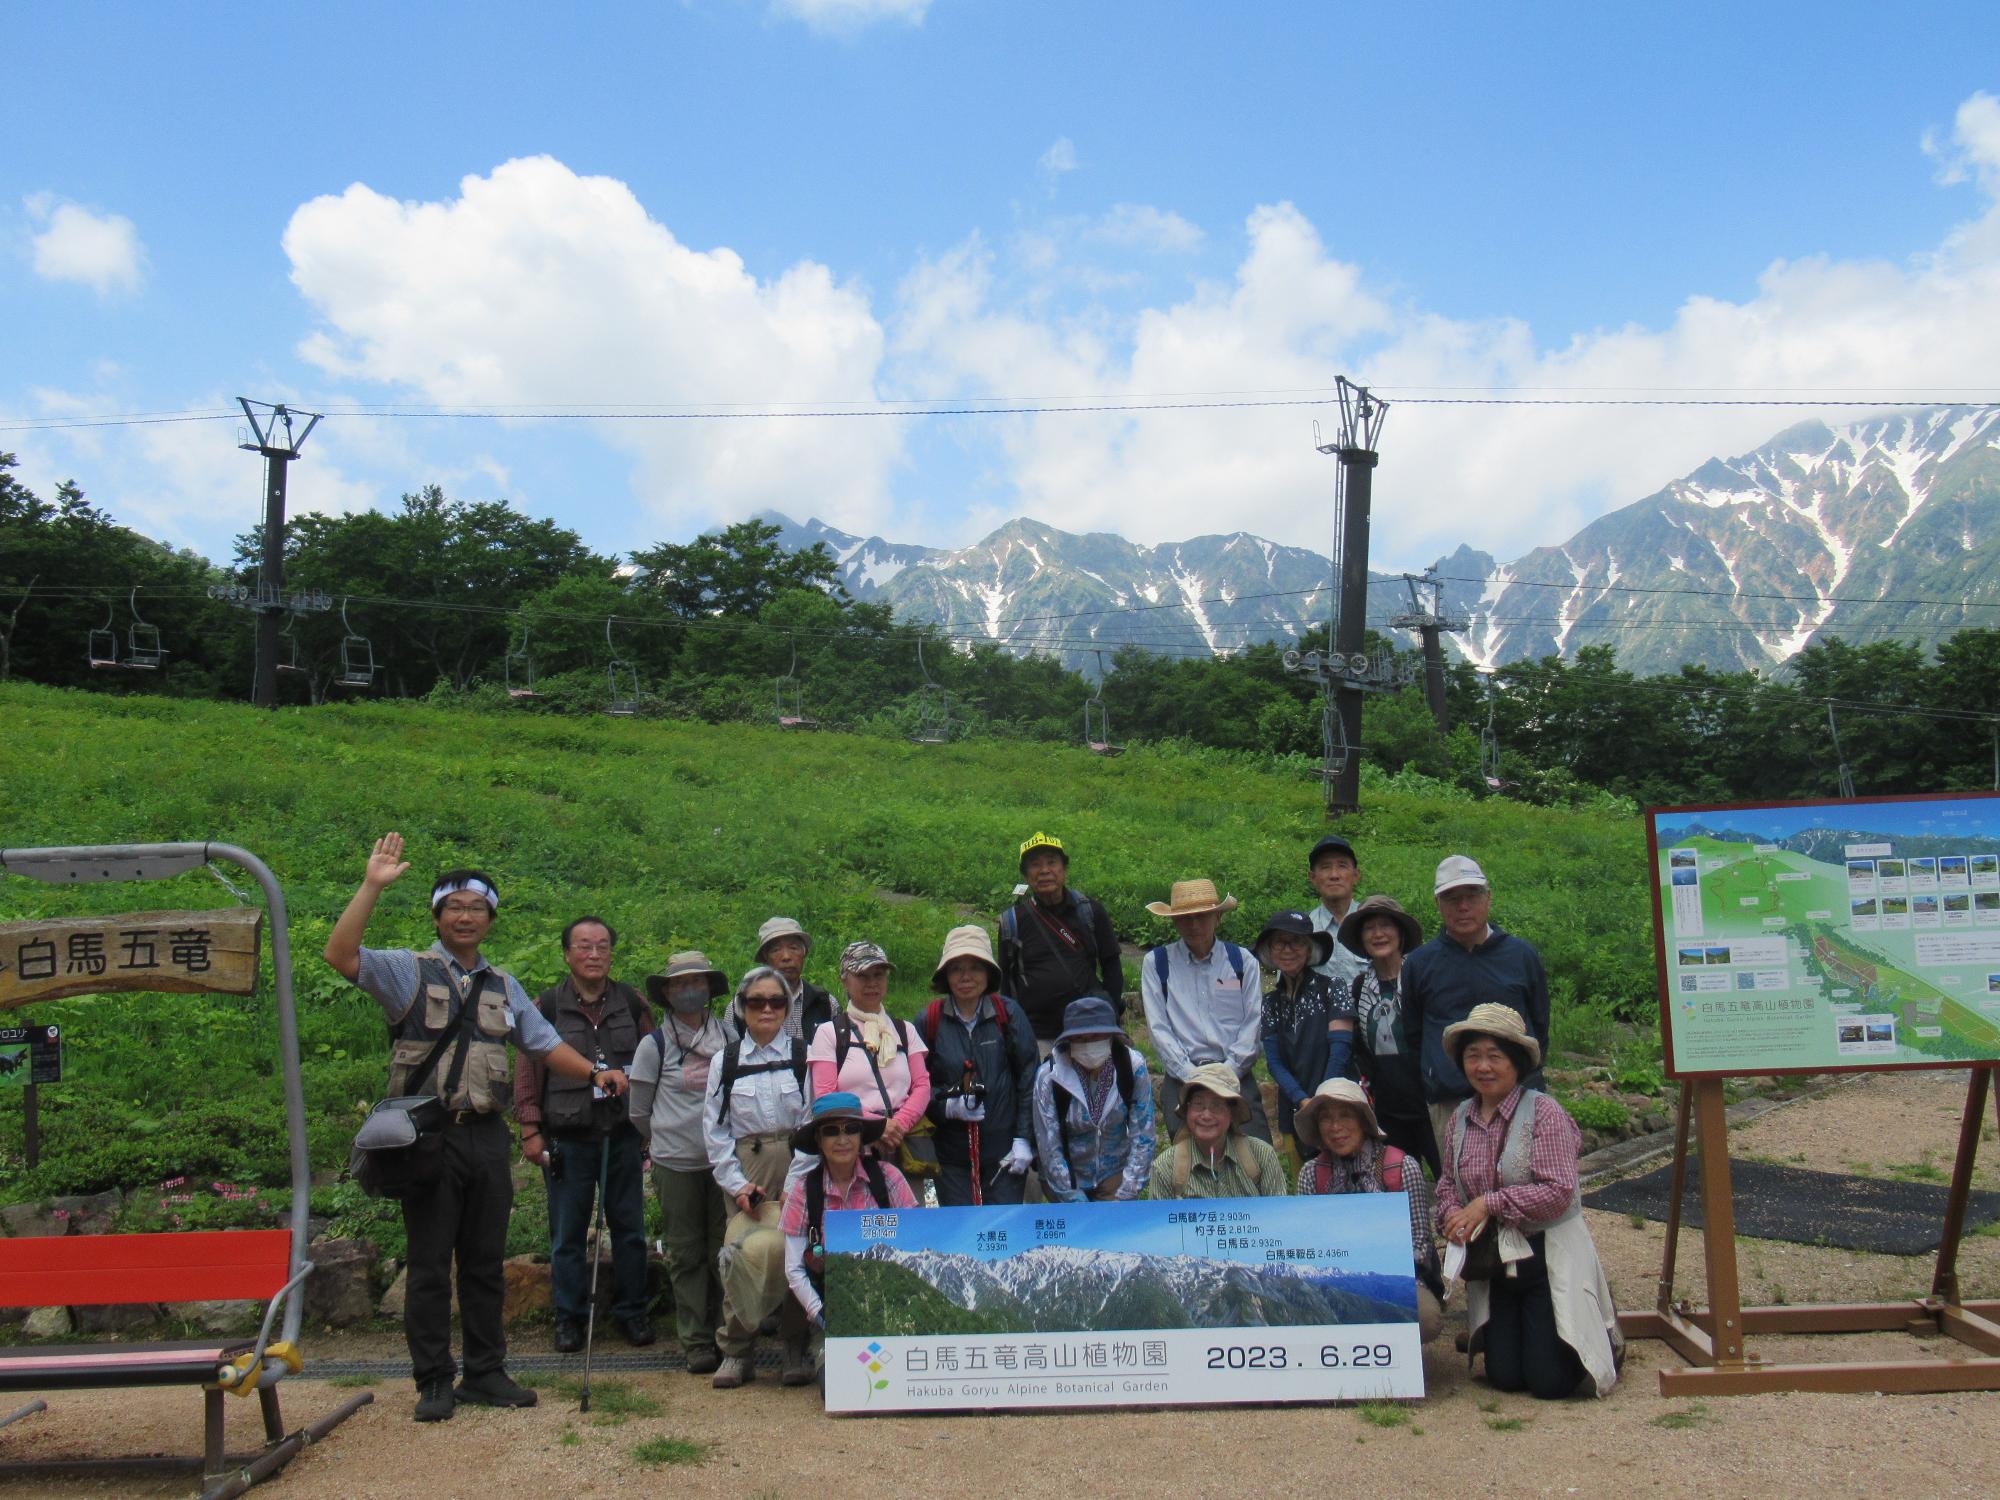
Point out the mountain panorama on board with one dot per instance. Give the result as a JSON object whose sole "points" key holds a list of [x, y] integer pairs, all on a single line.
{"points": [[1887, 527]]}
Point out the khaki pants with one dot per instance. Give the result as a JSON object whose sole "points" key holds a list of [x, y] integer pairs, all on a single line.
{"points": [[1430, 1313], [1441, 1124], [753, 1247]]}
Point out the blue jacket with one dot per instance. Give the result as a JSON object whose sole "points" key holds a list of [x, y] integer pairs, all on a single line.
{"points": [[1116, 1145], [1443, 980]]}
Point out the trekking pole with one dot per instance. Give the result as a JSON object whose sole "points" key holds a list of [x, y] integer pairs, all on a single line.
{"points": [[596, 1260], [972, 1134]]}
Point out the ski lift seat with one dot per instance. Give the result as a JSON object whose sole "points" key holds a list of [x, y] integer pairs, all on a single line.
{"points": [[357, 663], [142, 648], [103, 648]]}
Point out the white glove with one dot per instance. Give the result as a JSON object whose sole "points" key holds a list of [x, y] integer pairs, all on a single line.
{"points": [[965, 1109], [1020, 1156]]}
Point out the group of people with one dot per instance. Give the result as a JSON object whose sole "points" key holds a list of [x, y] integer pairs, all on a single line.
{"points": [[1399, 1065]]}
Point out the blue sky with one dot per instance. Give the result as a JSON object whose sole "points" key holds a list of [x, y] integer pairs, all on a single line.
{"points": [[1373, 1228], [746, 204]]}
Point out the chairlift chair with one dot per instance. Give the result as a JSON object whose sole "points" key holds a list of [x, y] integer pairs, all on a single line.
{"points": [[104, 640], [357, 656], [622, 679], [1097, 719], [791, 696], [519, 670], [288, 658], [142, 641], [933, 707]]}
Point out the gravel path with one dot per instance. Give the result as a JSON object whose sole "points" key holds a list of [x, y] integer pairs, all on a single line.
{"points": [[1462, 1441]]}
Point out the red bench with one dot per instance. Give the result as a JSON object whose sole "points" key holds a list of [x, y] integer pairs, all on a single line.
{"points": [[98, 1270]]}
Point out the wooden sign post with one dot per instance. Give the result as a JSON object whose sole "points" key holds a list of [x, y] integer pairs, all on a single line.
{"points": [[1808, 938], [185, 952]]}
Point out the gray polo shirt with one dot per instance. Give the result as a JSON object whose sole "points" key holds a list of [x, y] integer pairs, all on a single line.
{"points": [[392, 977]]}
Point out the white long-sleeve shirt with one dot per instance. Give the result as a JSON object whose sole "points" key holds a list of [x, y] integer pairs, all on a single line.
{"points": [[1205, 1013], [759, 1103]]}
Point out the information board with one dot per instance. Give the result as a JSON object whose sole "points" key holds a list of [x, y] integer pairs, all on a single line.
{"points": [[1820, 936], [1122, 1304], [30, 1054]]}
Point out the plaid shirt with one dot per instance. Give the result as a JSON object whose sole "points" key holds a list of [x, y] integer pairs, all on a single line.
{"points": [[1362, 1174], [1470, 1165]]}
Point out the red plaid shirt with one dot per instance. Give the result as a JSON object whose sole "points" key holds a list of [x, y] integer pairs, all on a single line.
{"points": [[1469, 1169]]}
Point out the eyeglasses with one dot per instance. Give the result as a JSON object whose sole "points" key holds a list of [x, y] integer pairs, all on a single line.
{"points": [[464, 908], [764, 1002], [590, 947], [841, 1127]]}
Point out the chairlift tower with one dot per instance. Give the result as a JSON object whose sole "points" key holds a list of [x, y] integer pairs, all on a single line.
{"points": [[1347, 672], [1429, 620], [279, 441]]}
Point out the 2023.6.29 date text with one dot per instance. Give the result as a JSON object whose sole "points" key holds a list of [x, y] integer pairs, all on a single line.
{"points": [[1278, 1357]]}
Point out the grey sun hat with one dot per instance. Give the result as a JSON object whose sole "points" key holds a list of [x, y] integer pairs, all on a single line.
{"points": [[1344, 1092], [1220, 1080], [1407, 926], [781, 927], [1089, 1015], [1501, 1022], [680, 966]]}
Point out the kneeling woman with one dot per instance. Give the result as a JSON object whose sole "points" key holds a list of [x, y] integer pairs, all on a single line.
{"points": [[843, 1179], [1536, 1299], [1353, 1156], [1211, 1157]]}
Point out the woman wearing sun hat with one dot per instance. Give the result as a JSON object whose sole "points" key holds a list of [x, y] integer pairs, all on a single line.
{"points": [[1203, 998], [1380, 931], [1537, 1303], [871, 1054], [1308, 1018], [1211, 1157], [982, 1059], [1347, 1153], [1093, 1109]]}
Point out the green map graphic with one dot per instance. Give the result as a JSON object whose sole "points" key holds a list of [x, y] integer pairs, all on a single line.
{"points": [[1779, 955]]}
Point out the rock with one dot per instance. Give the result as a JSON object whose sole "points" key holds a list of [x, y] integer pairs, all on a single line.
{"points": [[1654, 1122], [32, 1221], [218, 1317], [48, 1323], [340, 1292], [91, 1213], [118, 1317], [391, 1305], [527, 1287]]}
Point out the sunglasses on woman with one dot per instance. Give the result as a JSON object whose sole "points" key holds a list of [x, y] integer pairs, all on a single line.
{"points": [[845, 1127], [764, 1002]]}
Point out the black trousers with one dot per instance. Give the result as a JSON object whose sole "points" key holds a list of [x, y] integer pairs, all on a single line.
{"points": [[1523, 1350], [462, 1215]]}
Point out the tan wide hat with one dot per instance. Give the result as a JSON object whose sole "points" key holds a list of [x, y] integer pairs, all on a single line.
{"points": [[1190, 898], [1220, 1080], [966, 942], [1495, 1020], [679, 966], [1341, 1091], [1408, 930], [781, 927]]}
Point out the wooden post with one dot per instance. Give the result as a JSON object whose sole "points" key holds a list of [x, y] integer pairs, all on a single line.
{"points": [[31, 1124], [1944, 1281], [1663, 1303], [1718, 1221]]}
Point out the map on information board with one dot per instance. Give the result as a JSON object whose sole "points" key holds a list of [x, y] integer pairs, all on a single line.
{"points": [[1828, 935]]}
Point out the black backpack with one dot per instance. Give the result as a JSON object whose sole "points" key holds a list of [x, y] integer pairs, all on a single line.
{"points": [[733, 1069]]}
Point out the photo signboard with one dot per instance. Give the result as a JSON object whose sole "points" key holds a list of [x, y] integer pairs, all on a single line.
{"points": [[1822, 936], [1122, 1304]]}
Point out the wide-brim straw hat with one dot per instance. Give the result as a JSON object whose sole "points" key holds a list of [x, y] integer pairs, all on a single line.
{"points": [[1335, 1091], [781, 927], [1379, 906], [1220, 1080], [1191, 898], [966, 942], [1493, 1019], [828, 1107], [680, 966]]}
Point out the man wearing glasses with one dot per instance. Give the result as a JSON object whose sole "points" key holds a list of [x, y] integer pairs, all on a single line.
{"points": [[578, 1134], [450, 1005]]}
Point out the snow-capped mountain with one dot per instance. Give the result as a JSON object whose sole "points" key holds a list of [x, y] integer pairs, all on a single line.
{"points": [[1884, 527]]}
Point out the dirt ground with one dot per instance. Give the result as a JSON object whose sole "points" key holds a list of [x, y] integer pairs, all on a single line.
{"points": [[1463, 1440]]}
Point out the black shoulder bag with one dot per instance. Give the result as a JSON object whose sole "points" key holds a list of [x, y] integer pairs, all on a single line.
{"points": [[399, 1149]]}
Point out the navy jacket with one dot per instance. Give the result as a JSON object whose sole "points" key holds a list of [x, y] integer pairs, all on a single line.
{"points": [[1442, 981], [1005, 1064]]}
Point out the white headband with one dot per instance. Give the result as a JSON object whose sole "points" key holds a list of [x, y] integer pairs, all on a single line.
{"points": [[446, 888]]}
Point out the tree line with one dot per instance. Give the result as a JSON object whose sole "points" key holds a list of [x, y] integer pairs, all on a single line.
{"points": [[463, 600]]}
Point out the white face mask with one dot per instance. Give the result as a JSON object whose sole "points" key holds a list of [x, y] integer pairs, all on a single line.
{"points": [[1090, 1056], [688, 999]]}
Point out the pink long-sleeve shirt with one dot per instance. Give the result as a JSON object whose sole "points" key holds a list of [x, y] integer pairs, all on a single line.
{"points": [[904, 1076]]}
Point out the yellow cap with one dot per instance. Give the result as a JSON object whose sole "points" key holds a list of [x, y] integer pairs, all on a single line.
{"points": [[1043, 841]]}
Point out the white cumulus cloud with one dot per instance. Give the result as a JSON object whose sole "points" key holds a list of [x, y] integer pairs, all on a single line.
{"points": [[847, 16], [537, 285], [1144, 227], [74, 243], [1059, 159]]}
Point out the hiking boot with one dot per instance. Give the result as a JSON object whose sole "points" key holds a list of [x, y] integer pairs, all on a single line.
{"points": [[569, 1337], [494, 1388], [638, 1331], [703, 1359], [798, 1364], [435, 1402], [736, 1370]]}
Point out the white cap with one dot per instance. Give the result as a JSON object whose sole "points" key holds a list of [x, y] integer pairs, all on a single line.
{"points": [[1455, 870]]}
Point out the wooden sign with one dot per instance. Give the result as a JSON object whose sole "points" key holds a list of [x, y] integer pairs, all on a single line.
{"points": [[188, 952]]}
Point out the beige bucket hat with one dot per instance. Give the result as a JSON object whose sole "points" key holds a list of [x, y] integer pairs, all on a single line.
{"points": [[1335, 1091], [1190, 898], [781, 927], [1495, 1020], [966, 942], [1220, 1080], [679, 966]]}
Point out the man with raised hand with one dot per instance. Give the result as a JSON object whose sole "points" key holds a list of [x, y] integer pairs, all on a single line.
{"points": [[451, 990], [579, 1134], [1468, 963], [1056, 944]]}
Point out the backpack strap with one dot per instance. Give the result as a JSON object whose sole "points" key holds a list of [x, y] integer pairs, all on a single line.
{"points": [[928, 1023], [732, 1068], [1322, 1171], [1183, 1164], [1121, 1059], [1235, 956], [1246, 1158], [1160, 966], [878, 1181]]}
